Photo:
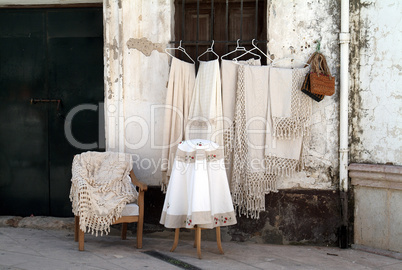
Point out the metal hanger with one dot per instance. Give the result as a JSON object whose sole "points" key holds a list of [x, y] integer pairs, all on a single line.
{"points": [[180, 48], [254, 48], [292, 60], [240, 49], [211, 50]]}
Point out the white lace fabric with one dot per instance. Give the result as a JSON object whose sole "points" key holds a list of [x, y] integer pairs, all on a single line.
{"points": [[100, 189]]}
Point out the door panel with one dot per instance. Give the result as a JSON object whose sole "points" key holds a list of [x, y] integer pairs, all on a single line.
{"points": [[75, 77], [24, 188], [49, 54]]}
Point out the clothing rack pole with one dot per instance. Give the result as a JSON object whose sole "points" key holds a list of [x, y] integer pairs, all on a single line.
{"points": [[212, 20], [198, 26], [241, 20], [234, 42], [227, 27], [183, 10], [256, 18]]}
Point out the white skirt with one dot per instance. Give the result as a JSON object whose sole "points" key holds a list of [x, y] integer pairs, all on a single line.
{"points": [[198, 191]]}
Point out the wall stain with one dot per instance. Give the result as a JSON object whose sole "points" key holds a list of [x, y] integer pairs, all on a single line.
{"points": [[144, 45], [114, 48], [358, 41]]}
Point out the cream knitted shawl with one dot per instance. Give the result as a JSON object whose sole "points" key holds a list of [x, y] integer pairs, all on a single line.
{"points": [[289, 117], [229, 72], [250, 182], [291, 109], [100, 189]]}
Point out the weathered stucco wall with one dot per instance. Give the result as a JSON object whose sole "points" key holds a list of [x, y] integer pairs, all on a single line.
{"points": [[376, 93], [378, 202], [293, 29], [134, 116], [136, 71]]}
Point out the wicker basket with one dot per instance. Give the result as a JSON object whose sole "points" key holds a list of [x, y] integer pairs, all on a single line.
{"points": [[321, 84], [321, 81], [306, 89]]}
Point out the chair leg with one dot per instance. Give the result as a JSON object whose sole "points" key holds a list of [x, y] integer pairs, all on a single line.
{"points": [[176, 239], [123, 231], [76, 227], [218, 239], [140, 227], [81, 235], [198, 240]]}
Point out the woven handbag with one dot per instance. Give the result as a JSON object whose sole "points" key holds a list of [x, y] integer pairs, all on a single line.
{"points": [[321, 81], [306, 89]]}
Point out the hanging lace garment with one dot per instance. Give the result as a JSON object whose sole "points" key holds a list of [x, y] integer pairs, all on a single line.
{"points": [[100, 189], [198, 192], [283, 157], [178, 98], [229, 86], [288, 128], [250, 181], [205, 114], [291, 109]]}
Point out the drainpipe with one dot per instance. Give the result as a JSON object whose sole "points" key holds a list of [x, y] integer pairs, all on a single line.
{"points": [[344, 39]]}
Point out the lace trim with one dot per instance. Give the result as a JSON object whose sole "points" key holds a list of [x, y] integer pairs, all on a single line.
{"points": [[199, 154], [282, 166]]}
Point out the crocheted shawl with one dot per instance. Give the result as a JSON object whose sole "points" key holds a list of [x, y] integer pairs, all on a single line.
{"points": [[229, 70], [250, 181], [289, 117], [100, 189], [291, 109]]}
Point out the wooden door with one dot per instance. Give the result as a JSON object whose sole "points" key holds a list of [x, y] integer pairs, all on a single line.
{"points": [[47, 55]]}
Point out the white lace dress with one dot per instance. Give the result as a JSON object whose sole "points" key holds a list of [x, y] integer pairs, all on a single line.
{"points": [[198, 191]]}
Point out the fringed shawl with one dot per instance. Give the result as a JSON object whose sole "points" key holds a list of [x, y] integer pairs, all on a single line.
{"points": [[100, 189], [229, 70], [250, 182], [291, 109], [289, 117]]}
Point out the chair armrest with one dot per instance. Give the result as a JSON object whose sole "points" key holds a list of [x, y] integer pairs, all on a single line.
{"points": [[136, 182]]}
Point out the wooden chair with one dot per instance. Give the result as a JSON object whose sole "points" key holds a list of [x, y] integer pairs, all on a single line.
{"points": [[137, 217]]}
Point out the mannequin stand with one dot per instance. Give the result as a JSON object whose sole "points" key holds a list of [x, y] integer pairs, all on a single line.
{"points": [[197, 240]]}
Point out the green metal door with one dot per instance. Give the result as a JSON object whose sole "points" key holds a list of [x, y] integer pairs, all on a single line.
{"points": [[51, 94]]}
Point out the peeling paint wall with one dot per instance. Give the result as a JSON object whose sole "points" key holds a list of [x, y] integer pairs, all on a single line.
{"points": [[136, 71], [376, 93], [293, 29]]}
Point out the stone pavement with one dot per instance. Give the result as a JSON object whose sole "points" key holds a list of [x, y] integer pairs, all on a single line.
{"points": [[39, 245]]}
